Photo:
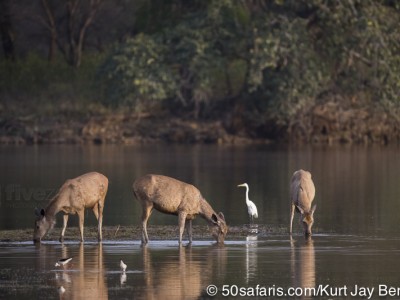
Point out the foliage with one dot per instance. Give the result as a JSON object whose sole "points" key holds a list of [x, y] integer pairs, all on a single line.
{"points": [[138, 72], [34, 86], [272, 59]]}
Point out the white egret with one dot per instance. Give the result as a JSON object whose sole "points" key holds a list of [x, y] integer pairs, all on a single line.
{"points": [[122, 266], [251, 207]]}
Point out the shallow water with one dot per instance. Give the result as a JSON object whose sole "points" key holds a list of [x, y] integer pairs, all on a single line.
{"points": [[164, 271], [357, 188], [356, 246]]}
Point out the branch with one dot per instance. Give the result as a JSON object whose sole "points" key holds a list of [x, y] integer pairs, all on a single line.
{"points": [[359, 56], [49, 14]]}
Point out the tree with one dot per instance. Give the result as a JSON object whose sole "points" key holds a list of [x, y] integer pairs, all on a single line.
{"points": [[6, 30], [69, 30]]}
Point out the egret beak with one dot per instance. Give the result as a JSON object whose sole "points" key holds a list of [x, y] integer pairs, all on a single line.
{"points": [[240, 185]]}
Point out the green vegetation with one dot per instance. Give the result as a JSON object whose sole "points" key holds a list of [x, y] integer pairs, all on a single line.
{"points": [[264, 62]]}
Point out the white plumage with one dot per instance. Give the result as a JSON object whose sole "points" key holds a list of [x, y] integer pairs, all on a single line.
{"points": [[122, 266], [63, 262], [251, 207], [61, 290]]}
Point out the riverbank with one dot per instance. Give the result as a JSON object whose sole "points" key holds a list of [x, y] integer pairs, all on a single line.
{"points": [[120, 233], [330, 121]]}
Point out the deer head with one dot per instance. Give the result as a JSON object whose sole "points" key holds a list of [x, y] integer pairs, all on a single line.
{"points": [[307, 219]]}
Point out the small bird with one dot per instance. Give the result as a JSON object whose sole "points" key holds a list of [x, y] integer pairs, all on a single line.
{"points": [[251, 207], [63, 261], [122, 266]]}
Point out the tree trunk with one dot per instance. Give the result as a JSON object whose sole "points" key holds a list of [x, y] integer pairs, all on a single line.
{"points": [[50, 24], [77, 28], [6, 30]]}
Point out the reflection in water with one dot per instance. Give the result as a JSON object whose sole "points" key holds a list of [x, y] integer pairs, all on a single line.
{"points": [[61, 291], [174, 280], [122, 278], [180, 277], [85, 277], [251, 257], [303, 264]]}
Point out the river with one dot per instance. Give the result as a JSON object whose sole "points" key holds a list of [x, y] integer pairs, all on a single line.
{"points": [[355, 247]]}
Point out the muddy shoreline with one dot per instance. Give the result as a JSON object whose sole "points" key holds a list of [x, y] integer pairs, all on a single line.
{"points": [[122, 233], [335, 120]]}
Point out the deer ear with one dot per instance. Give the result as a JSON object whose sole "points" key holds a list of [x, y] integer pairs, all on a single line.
{"points": [[214, 219], [221, 215], [39, 212], [313, 209], [300, 209]]}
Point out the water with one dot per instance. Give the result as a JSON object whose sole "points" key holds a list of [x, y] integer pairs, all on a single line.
{"points": [[164, 271], [355, 248]]}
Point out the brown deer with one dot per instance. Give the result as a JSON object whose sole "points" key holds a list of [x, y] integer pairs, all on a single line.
{"points": [[302, 192], [171, 196], [75, 195]]}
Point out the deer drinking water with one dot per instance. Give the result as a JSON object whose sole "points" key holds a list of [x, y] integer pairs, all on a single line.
{"points": [[302, 192], [171, 196], [75, 195]]}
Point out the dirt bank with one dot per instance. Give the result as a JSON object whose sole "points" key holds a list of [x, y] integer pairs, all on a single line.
{"points": [[337, 121], [156, 232], [333, 120]]}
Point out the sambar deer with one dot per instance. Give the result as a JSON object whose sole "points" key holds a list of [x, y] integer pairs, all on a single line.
{"points": [[302, 192], [171, 196], [75, 195]]}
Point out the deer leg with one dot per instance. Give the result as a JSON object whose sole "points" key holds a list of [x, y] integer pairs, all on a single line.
{"points": [[182, 221], [81, 216], [100, 221], [65, 221], [292, 209], [145, 217], [189, 230]]}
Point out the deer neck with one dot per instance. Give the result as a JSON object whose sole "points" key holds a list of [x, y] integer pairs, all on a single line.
{"points": [[53, 208], [206, 211]]}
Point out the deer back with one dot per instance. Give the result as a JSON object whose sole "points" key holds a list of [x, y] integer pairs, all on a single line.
{"points": [[302, 189], [167, 194]]}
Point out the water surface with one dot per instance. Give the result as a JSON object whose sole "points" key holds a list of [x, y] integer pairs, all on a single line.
{"points": [[164, 271], [357, 190], [356, 245]]}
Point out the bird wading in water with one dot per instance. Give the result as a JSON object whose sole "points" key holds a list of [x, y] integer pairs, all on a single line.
{"points": [[251, 207]]}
